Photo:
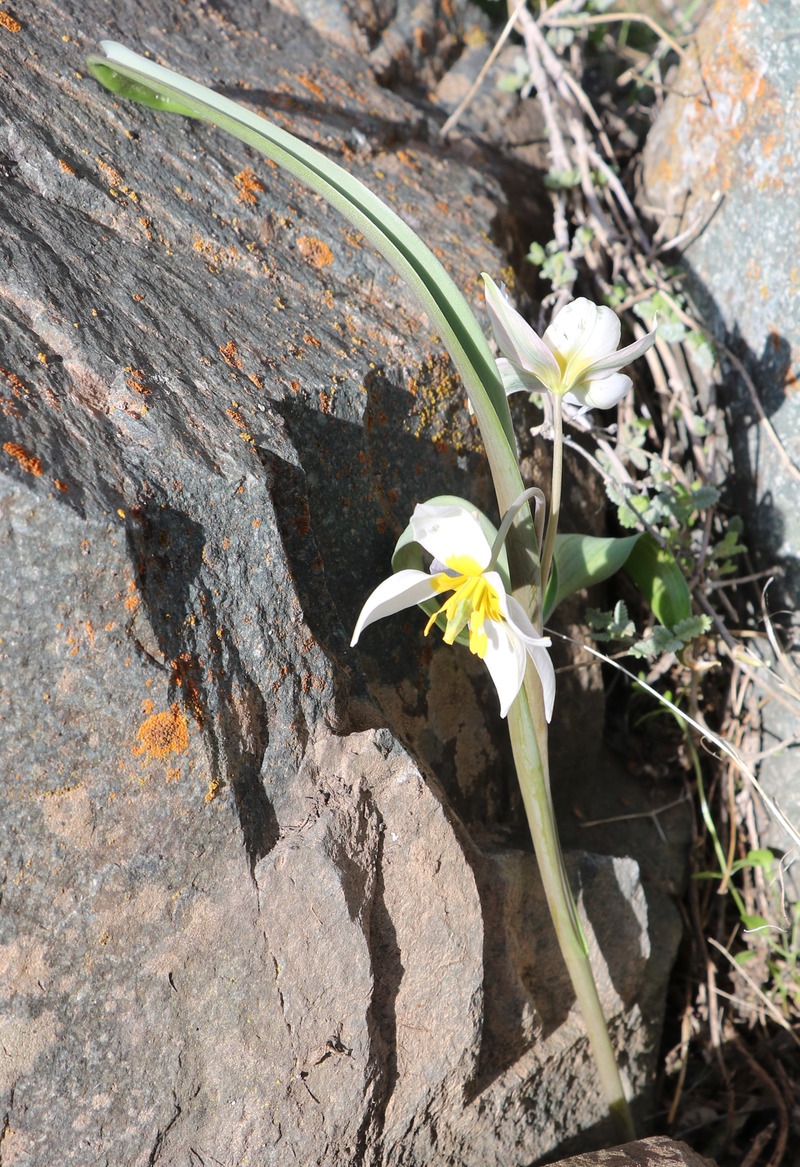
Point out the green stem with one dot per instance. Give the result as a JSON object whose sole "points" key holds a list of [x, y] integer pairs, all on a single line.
{"points": [[555, 491], [528, 732]]}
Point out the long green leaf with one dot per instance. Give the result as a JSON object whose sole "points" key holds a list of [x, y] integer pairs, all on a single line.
{"points": [[132, 76]]}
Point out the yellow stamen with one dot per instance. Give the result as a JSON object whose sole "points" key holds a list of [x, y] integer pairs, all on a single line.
{"points": [[473, 601]]}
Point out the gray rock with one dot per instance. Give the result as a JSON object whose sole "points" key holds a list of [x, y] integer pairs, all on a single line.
{"points": [[657, 1152], [240, 920], [724, 154]]}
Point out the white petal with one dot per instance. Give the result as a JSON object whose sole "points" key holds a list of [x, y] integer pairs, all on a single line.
{"points": [[584, 331], [517, 617], [505, 659], [547, 675], [512, 378], [536, 646], [516, 339], [403, 590], [445, 532], [600, 394], [623, 356]]}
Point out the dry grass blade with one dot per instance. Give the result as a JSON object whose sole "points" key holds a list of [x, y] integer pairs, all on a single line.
{"points": [[774, 1013]]}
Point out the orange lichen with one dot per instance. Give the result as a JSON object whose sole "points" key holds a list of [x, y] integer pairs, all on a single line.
{"points": [[111, 175], [65, 166], [135, 381], [131, 601], [18, 386], [312, 87], [186, 671], [25, 458], [163, 734], [8, 22], [317, 253], [248, 184], [230, 354]]}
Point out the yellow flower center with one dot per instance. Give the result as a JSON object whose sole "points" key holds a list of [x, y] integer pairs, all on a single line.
{"points": [[572, 366], [473, 601]]}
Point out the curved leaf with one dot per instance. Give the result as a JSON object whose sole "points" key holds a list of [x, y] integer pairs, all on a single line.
{"points": [[660, 580], [582, 560], [130, 75]]}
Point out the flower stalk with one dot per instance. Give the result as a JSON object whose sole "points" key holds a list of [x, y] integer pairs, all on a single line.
{"points": [[528, 732], [555, 491]]}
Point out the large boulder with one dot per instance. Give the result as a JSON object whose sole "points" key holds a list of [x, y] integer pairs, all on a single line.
{"points": [[242, 921], [722, 163]]}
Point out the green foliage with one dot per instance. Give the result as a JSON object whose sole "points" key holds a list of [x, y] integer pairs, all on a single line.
{"points": [[618, 626], [554, 265], [672, 326], [516, 81]]}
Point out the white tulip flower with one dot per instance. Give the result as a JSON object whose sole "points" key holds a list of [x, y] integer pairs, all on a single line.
{"points": [[500, 632], [577, 358]]}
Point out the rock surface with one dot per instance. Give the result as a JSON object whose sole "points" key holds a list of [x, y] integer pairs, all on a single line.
{"points": [[658, 1152], [724, 155], [241, 921]]}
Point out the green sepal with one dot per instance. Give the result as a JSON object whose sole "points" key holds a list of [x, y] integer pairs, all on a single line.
{"points": [[136, 91], [408, 554]]}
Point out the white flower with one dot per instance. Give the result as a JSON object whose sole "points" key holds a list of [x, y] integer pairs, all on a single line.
{"points": [[577, 358], [500, 632]]}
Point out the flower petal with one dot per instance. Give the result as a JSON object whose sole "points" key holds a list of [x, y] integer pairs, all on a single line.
{"points": [[403, 590], [547, 675], [583, 332], [602, 393], [536, 647], [623, 356], [505, 659], [516, 339], [446, 532], [517, 618], [516, 380]]}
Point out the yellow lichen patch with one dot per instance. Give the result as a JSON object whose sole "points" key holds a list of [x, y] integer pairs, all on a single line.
{"points": [[25, 458], [214, 789], [438, 411], [8, 22], [163, 734], [248, 184], [317, 253]]}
